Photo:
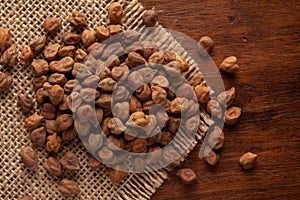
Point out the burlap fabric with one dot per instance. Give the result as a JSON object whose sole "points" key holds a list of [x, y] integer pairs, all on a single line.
{"points": [[25, 19]]}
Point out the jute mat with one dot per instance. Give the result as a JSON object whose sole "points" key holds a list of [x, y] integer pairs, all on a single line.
{"points": [[25, 19]]}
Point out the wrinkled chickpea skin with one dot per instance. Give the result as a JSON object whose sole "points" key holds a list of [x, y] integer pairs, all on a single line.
{"points": [[248, 160], [230, 65], [232, 115]]}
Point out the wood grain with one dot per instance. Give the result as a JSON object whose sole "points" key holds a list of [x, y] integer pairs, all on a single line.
{"points": [[265, 36]]}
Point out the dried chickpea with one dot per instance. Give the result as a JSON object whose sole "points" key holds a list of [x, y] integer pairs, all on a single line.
{"points": [[40, 67], [116, 176], [202, 92], [71, 38], [63, 122], [26, 56], [248, 160], [34, 121], [216, 138], [38, 44], [230, 65], [226, 98], [115, 13], [80, 55], [5, 81], [78, 19], [70, 161], [88, 37], [56, 95], [232, 115], [150, 18], [207, 43], [94, 163], [52, 24], [186, 175], [67, 51], [5, 39], [38, 136], [211, 157], [102, 33], [54, 143], [9, 56], [29, 158], [51, 51], [25, 103], [214, 108], [69, 188], [53, 167]]}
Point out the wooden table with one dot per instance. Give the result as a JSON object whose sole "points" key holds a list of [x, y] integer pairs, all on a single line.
{"points": [[265, 37]]}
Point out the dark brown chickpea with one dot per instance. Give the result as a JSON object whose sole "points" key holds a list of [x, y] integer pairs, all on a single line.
{"points": [[134, 60], [105, 154], [187, 175], [102, 33], [25, 103], [52, 24], [73, 101], [115, 13], [57, 79], [70, 161], [38, 82], [56, 95], [135, 105], [207, 43], [51, 51], [94, 142], [216, 138], [211, 157], [115, 29], [84, 112], [214, 108], [53, 143], [5, 39], [67, 51], [26, 56], [9, 57], [69, 134], [38, 136], [69, 188], [63, 122], [116, 176], [40, 67], [150, 18], [78, 19], [38, 44], [232, 115], [34, 121], [94, 163], [29, 158], [149, 49], [88, 37], [71, 38], [166, 138], [53, 167], [80, 55]]}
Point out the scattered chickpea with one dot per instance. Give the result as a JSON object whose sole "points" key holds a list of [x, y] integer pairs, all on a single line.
{"points": [[232, 115], [207, 43], [186, 175], [230, 65], [248, 160]]}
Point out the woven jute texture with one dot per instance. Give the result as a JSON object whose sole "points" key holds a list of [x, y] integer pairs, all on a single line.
{"points": [[25, 18]]}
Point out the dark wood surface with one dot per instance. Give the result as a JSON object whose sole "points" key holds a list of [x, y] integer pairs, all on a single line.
{"points": [[265, 37]]}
